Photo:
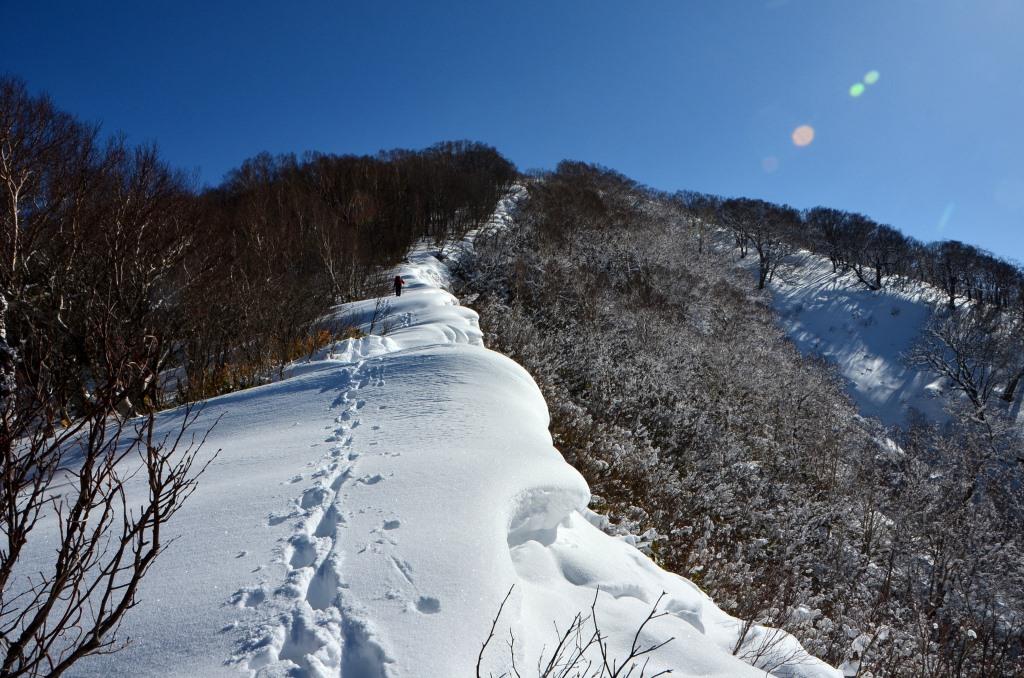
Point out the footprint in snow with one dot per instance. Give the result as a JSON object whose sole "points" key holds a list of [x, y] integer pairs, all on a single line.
{"points": [[248, 597], [392, 524], [325, 471], [278, 518], [428, 605], [314, 496]]}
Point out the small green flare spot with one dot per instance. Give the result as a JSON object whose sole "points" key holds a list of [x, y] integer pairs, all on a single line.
{"points": [[871, 77], [856, 90]]}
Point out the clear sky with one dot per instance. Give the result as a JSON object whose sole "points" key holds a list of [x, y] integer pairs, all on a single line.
{"points": [[679, 94]]}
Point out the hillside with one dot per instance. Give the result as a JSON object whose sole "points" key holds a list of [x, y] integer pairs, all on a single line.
{"points": [[370, 509], [494, 340], [748, 464], [864, 333], [367, 514], [867, 335]]}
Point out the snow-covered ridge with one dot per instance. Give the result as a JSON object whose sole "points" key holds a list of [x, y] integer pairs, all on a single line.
{"points": [[367, 515]]}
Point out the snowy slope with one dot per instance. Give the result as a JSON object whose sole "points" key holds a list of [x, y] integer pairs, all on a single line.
{"points": [[864, 333], [367, 515]]}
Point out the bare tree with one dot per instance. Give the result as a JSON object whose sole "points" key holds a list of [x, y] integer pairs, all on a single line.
{"points": [[735, 215], [701, 209], [949, 268], [829, 235], [771, 234], [93, 237], [769, 229], [962, 347], [882, 254]]}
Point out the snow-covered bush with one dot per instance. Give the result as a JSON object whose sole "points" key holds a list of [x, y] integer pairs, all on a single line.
{"points": [[674, 392]]}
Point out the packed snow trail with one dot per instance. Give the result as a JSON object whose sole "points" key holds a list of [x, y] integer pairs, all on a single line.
{"points": [[367, 515]]}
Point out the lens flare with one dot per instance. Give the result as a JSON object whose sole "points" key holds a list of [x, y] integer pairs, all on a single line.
{"points": [[769, 164], [872, 77], [947, 214], [856, 90], [803, 135]]}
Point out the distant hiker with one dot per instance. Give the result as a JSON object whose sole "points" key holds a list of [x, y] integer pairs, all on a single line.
{"points": [[398, 285]]}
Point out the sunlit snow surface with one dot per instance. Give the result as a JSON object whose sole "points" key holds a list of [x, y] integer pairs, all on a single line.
{"points": [[865, 334], [367, 514]]}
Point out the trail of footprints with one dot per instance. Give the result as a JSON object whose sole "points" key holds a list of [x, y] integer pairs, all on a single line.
{"points": [[321, 633]]}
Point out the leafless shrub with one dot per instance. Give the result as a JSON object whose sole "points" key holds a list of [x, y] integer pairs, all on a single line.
{"points": [[78, 482], [582, 650]]}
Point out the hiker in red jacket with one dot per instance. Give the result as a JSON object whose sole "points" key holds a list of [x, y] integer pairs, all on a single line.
{"points": [[398, 285]]}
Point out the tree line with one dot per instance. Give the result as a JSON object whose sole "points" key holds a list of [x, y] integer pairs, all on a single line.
{"points": [[977, 343], [854, 243], [124, 289]]}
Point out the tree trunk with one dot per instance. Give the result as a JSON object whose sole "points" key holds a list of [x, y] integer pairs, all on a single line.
{"points": [[1011, 387]]}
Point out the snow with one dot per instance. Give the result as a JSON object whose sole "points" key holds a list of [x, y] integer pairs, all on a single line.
{"points": [[864, 333], [366, 516]]}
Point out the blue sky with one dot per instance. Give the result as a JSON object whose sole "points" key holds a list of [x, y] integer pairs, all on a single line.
{"points": [[679, 94]]}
